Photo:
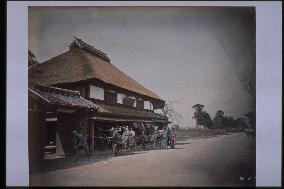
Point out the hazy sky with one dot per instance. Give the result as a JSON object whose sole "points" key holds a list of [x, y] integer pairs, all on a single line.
{"points": [[185, 54]]}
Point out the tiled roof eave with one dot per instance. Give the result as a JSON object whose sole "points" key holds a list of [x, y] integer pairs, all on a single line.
{"points": [[107, 114], [112, 119], [73, 106], [57, 97]]}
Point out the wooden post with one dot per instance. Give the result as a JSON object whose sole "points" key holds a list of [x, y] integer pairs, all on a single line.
{"points": [[91, 126]]}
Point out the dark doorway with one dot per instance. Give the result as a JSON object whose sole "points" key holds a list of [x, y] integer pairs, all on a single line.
{"points": [[50, 140]]}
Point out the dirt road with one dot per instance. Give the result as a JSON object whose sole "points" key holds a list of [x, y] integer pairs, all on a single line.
{"points": [[219, 161]]}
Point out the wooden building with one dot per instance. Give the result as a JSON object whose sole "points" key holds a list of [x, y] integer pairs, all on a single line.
{"points": [[71, 112], [119, 99]]}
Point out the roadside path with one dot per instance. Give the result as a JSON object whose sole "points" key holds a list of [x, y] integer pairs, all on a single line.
{"points": [[217, 161]]}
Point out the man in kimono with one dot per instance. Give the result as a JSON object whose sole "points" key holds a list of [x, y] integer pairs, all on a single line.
{"points": [[143, 139], [80, 144]]}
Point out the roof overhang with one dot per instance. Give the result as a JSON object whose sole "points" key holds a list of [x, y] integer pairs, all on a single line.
{"points": [[113, 119], [52, 105]]}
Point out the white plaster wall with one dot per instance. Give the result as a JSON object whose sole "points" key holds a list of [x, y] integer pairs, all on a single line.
{"points": [[120, 98], [147, 105], [97, 92]]}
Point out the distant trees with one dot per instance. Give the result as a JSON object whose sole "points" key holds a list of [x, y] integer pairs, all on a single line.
{"points": [[219, 119], [32, 61], [251, 119], [242, 123], [230, 122], [207, 121], [202, 118], [222, 121]]}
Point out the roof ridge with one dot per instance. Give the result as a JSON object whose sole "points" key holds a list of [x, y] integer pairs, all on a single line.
{"points": [[89, 48]]}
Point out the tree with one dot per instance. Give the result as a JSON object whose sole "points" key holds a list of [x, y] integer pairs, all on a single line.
{"points": [[206, 119], [32, 61], [170, 112], [251, 118], [248, 80], [197, 114], [219, 119], [242, 123], [201, 117], [230, 122]]}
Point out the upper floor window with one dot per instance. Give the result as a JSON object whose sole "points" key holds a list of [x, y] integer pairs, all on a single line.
{"points": [[151, 106], [120, 98], [97, 92], [135, 102], [147, 105], [129, 101], [110, 97], [140, 104]]}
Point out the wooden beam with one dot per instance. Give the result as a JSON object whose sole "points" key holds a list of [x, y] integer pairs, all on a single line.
{"points": [[92, 130]]}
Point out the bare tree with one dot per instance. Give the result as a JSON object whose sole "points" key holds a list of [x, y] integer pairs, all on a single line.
{"points": [[170, 112], [248, 80]]}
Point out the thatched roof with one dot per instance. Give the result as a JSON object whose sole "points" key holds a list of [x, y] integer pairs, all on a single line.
{"points": [[79, 64]]}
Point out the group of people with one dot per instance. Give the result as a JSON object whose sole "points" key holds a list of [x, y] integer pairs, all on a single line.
{"points": [[125, 132], [167, 138]]}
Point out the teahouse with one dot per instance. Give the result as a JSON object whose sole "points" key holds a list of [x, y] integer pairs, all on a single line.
{"points": [[114, 98]]}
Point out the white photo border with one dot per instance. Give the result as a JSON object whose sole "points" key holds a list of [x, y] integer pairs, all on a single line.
{"points": [[268, 83]]}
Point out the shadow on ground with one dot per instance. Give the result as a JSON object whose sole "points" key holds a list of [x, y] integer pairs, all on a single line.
{"points": [[66, 162], [182, 143]]}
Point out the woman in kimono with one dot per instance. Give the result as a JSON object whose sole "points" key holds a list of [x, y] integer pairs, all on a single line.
{"points": [[164, 138], [125, 136]]}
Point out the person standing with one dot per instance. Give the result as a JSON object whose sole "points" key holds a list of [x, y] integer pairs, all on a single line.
{"points": [[116, 140], [164, 138], [125, 136], [82, 144], [131, 132], [173, 138], [143, 139], [156, 137], [115, 131], [112, 130]]}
